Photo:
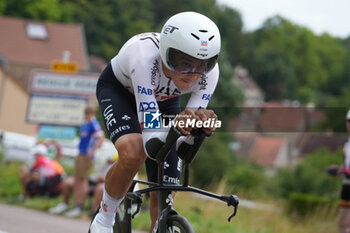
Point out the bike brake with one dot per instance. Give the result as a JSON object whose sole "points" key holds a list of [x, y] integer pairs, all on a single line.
{"points": [[136, 198], [233, 201]]}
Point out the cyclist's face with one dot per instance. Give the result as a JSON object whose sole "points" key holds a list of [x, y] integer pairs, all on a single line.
{"points": [[186, 64], [183, 81], [89, 116]]}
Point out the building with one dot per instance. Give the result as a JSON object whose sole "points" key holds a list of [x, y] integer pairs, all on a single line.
{"points": [[26, 45], [267, 151], [253, 95]]}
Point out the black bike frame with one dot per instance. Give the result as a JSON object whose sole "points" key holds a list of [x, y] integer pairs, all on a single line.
{"points": [[164, 190]]}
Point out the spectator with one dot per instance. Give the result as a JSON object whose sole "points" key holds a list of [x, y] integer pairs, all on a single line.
{"points": [[96, 182], [91, 138], [45, 176]]}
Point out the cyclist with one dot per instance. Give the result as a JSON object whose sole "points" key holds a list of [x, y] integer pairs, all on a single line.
{"points": [[45, 176], [149, 74]]}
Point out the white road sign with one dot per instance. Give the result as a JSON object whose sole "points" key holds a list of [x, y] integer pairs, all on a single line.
{"points": [[56, 110], [81, 84]]}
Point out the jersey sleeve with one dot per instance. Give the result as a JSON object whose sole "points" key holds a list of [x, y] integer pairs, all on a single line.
{"points": [[204, 90]]}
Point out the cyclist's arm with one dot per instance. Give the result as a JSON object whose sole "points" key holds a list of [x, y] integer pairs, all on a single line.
{"points": [[201, 96], [146, 102]]}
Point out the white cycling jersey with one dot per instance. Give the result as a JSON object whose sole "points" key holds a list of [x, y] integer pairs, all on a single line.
{"points": [[138, 67]]}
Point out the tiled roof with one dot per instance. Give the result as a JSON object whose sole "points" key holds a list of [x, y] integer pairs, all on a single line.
{"points": [[246, 142], [311, 142], [17, 47], [282, 118], [266, 150]]}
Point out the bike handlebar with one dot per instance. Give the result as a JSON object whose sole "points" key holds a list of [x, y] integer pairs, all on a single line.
{"points": [[172, 137]]}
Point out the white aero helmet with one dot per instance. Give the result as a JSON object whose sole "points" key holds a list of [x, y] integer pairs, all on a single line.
{"points": [[190, 43]]}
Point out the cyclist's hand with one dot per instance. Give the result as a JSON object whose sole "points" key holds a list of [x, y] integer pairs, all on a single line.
{"points": [[204, 115], [344, 171], [182, 120], [333, 170]]}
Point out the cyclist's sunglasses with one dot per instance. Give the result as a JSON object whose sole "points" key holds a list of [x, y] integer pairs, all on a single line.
{"points": [[186, 64]]}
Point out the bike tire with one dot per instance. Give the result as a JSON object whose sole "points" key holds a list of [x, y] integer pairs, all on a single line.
{"points": [[178, 224]]}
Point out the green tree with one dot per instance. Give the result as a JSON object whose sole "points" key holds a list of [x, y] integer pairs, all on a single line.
{"points": [[275, 74], [50, 10], [313, 65], [230, 24]]}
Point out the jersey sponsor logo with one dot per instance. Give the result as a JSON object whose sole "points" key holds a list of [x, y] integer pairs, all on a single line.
{"points": [[126, 118], [152, 120], [109, 116], [169, 29], [179, 165], [206, 97], [167, 91], [171, 180], [166, 165], [144, 91], [119, 129], [203, 83], [154, 72], [145, 106]]}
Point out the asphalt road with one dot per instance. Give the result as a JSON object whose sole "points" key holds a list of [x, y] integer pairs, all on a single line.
{"points": [[14, 219]]}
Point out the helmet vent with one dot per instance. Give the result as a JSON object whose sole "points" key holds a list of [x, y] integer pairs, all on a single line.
{"points": [[211, 37], [203, 31], [195, 36]]}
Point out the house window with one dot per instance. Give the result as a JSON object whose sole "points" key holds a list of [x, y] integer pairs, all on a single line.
{"points": [[36, 31]]}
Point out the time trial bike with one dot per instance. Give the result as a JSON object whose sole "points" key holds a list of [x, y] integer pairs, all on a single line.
{"points": [[169, 220]]}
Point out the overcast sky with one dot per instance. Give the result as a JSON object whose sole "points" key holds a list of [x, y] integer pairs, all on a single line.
{"points": [[331, 16]]}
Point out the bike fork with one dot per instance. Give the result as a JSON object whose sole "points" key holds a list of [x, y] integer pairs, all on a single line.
{"points": [[165, 208]]}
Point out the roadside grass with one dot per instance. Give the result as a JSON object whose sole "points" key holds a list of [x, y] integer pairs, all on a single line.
{"points": [[205, 215]]}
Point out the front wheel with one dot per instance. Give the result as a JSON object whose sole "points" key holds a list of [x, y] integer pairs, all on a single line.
{"points": [[178, 224]]}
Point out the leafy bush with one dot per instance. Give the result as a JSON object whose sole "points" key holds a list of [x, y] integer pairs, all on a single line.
{"points": [[213, 161], [303, 204], [245, 177], [310, 176], [9, 180]]}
